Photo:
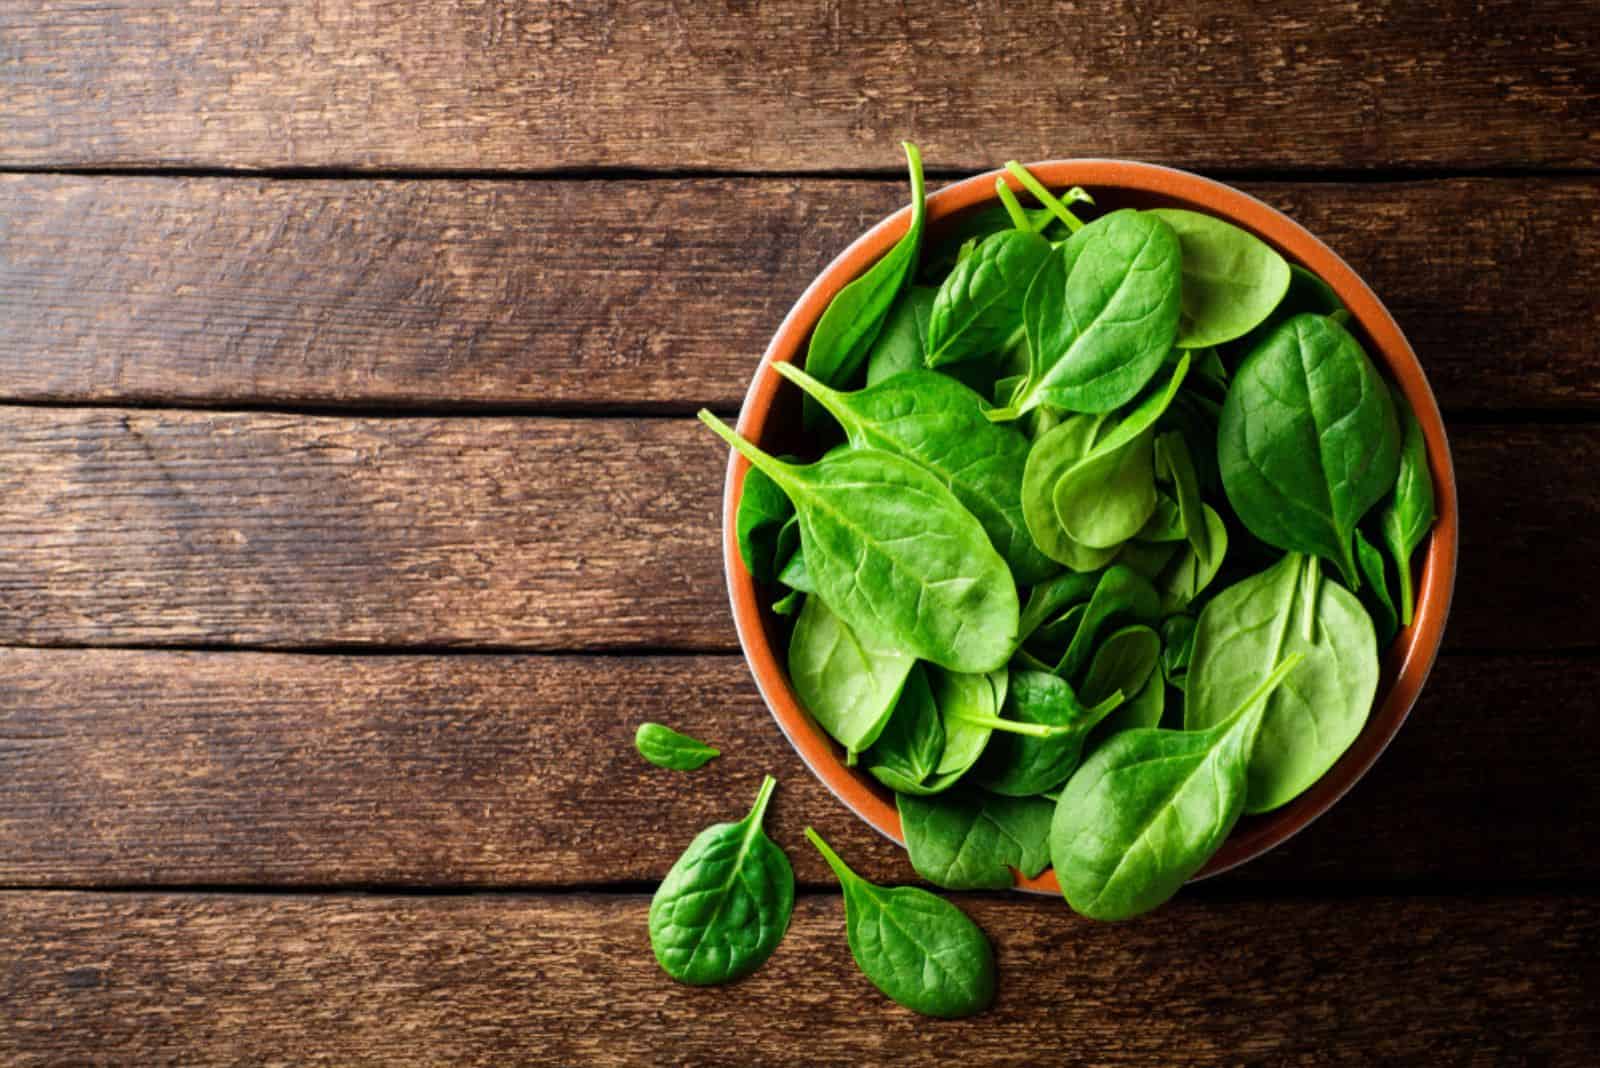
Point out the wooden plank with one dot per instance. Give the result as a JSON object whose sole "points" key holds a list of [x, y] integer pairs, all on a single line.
{"points": [[658, 294], [157, 768], [809, 85], [201, 980], [183, 527]]}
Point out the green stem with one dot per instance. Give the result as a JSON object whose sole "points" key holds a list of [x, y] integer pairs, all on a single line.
{"points": [[1407, 593], [1313, 574], [824, 395], [995, 723], [840, 868], [1264, 690], [1019, 218], [918, 197], [1002, 415], [1105, 708], [758, 811], [1045, 197], [777, 470]]}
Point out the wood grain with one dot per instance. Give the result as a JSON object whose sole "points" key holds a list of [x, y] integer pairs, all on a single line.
{"points": [[204, 980], [638, 295], [155, 768], [480, 85], [122, 526]]}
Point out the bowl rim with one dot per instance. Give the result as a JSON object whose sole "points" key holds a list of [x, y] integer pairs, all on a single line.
{"points": [[1410, 656]]}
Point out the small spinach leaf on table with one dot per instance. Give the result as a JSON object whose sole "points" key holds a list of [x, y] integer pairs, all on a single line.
{"points": [[979, 306], [852, 320], [971, 840], [919, 949], [1310, 721], [1231, 279], [1150, 807], [1408, 513], [1019, 765], [667, 748], [909, 749], [1308, 440], [725, 904], [849, 683], [891, 550]]}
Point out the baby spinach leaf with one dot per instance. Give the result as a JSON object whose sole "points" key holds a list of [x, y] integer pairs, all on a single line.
{"points": [[1101, 315], [1109, 496], [904, 338], [1191, 571], [1306, 293], [979, 306], [795, 575], [970, 840], [1143, 709], [912, 742], [965, 704], [849, 682], [1408, 513], [1020, 765], [1051, 457], [1310, 721], [725, 904], [939, 424], [1121, 594], [892, 551], [1051, 641], [1165, 523], [1375, 594], [943, 249], [1123, 663], [1231, 279], [1052, 598], [919, 949], [789, 604], [851, 323], [763, 511], [1308, 440], [1173, 463], [1147, 558], [1177, 648], [666, 748], [1148, 808]]}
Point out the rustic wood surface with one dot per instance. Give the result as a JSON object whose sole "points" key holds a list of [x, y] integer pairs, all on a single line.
{"points": [[647, 295], [148, 979], [235, 769], [481, 85], [352, 517]]}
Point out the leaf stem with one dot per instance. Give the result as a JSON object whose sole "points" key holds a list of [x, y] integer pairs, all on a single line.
{"points": [[1019, 218], [1313, 573], [996, 723], [777, 470], [823, 394], [1045, 197], [1265, 688], [840, 868], [758, 811], [1407, 593]]}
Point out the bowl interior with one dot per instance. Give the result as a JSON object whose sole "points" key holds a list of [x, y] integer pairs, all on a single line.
{"points": [[771, 418]]}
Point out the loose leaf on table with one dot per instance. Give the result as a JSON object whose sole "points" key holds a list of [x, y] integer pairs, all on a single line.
{"points": [[1101, 315], [1308, 440], [1150, 807], [919, 949], [851, 323], [903, 340], [938, 423], [666, 748], [1231, 279], [1375, 591], [971, 840], [1122, 594], [1408, 513], [979, 306], [892, 551], [848, 682], [764, 510], [912, 742], [1053, 454], [725, 904], [1309, 722], [1020, 765]]}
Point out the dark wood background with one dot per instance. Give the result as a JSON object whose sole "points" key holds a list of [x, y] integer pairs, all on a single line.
{"points": [[352, 515]]}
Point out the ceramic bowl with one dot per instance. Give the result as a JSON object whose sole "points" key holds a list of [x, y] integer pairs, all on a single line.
{"points": [[770, 418]]}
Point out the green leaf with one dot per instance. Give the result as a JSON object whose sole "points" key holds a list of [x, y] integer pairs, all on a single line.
{"points": [[1109, 496], [920, 950], [1051, 457], [1375, 592], [1311, 720], [763, 511], [911, 744], [1018, 765], [1122, 594], [725, 904], [848, 683], [1231, 279], [1408, 514], [1186, 576], [970, 840], [1050, 599], [979, 306], [666, 748], [1177, 648], [1308, 440], [904, 339]]}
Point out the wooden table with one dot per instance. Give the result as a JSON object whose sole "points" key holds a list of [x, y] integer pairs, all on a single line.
{"points": [[352, 514]]}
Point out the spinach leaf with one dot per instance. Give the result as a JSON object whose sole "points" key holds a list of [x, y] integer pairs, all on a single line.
{"points": [[1101, 315], [794, 574], [912, 742], [764, 509], [1148, 808], [1020, 765], [966, 703], [1187, 576], [919, 949], [789, 603], [943, 249], [1143, 709], [1231, 279], [1310, 721], [851, 323], [1177, 648], [725, 904], [904, 338], [1307, 293], [1054, 454], [979, 306], [666, 748], [1122, 664], [893, 552], [1107, 498], [1375, 594], [1165, 523], [970, 840], [1054, 597], [849, 682], [1308, 440], [1121, 594], [1408, 513], [939, 424], [1174, 463]]}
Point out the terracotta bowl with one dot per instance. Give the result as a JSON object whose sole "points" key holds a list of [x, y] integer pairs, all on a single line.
{"points": [[770, 418]]}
